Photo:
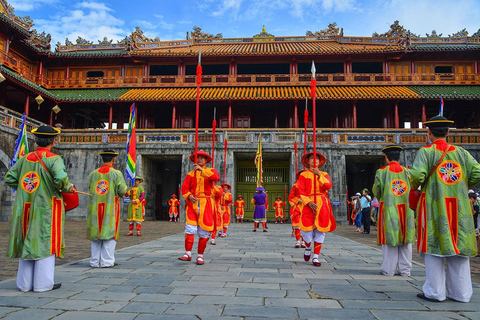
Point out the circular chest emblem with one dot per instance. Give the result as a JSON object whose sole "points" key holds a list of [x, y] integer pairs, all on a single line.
{"points": [[399, 187], [449, 172], [102, 187], [30, 181]]}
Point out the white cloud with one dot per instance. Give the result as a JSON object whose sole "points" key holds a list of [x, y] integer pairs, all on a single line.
{"points": [[29, 5], [89, 20]]}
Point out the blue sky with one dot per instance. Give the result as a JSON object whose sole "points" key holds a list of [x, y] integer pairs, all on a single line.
{"points": [[170, 20]]}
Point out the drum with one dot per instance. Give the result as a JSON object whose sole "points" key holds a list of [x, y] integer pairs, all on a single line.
{"points": [[70, 200]]}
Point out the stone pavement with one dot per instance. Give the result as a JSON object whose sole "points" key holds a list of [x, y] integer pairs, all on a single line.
{"points": [[246, 276]]}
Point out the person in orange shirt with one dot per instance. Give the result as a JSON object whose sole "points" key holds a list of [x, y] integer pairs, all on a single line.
{"points": [[225, 202], [316, 216], [217, 214], [198, 192], [239, 211], [296, 207], [173, 212], [278, 206]]}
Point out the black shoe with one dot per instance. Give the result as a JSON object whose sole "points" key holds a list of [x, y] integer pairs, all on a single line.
{"points": [[114, 264], [56, 286], [422, 296]]}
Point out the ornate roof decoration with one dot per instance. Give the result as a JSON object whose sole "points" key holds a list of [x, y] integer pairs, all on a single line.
{"points": [[476, 34], [81, 40], [396, 30], [264, 34], [331, 30], [433, 35], [461, 33], [24, 22], [40, 40], [198, 34]]}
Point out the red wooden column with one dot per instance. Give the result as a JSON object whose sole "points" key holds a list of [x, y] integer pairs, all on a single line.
{"points": [[50, 121], [397, 118], [295, 114], [424, 112], [110, 116], [27, 105], [174, 115], [414, 117], [276, 116], [354, 112], [230, 120], [121, 117]]}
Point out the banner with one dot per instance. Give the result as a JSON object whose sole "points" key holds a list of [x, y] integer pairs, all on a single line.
{"points": [[131, 147], [21, 144]]}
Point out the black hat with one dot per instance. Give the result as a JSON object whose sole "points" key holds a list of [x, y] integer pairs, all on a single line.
{"points": [[46, 131], [437, 121], [108, 153], [392, 147]]}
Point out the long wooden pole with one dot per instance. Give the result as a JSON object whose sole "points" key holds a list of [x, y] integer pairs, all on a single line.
{"points": [[214, 126], [197, 111], [305, 121], [313, 93], [225, 161]]}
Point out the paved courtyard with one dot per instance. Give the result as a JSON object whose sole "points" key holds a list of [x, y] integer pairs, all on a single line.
{"points": [[246, 276]]}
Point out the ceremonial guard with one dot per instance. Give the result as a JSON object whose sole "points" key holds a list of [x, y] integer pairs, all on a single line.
{"points": [[444, 217], [217, 213], [260, 203], [296, 206], [107, 186], [36, 232], [174, 204], [239, 208], [395, 224], [316, 216], [198, 192], [225, 202], [278, 206], [135, 216]]}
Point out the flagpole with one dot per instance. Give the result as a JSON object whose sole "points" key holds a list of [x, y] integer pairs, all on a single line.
{"points": [[305, 121], [214, 126], [197, 111], [313, 93]]}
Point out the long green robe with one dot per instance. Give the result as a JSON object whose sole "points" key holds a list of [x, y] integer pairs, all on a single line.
{"points": [[135, 212], [395, 224], [38, 213], [106, 186], [444, 214]]}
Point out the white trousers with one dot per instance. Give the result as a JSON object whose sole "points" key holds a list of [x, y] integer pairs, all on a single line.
{"points": [[314, 235], [454, 283], [397, 260], [191, 229], [36, 275], [103, 253]]}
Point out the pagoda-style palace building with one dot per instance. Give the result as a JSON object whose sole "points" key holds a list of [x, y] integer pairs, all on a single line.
{"points": [[371, 91]]}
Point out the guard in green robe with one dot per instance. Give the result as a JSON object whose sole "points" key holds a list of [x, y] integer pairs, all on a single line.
{"points": [[395, 224], [36, 233], [106, 185], [444, 215], [135, 208]]}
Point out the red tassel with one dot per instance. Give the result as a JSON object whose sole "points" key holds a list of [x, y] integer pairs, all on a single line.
{"points": [[199, 74], [313, 87]]}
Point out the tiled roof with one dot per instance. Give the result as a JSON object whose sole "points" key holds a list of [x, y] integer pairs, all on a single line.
{"points": [[90, 54], [88, 95], [15, 77], [270, 93], [269, 48], [443, 47], [448, 92]]}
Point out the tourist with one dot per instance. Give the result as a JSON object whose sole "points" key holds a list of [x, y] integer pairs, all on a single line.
{"points": [[358, 212], [366, 211]]}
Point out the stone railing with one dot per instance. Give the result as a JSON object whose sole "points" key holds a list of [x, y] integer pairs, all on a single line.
{"points": [[13, 119], [269, 136]]}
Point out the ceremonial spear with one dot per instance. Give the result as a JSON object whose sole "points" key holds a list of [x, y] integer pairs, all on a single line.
{"points": [[214, 126], [305, 121], [199, 81], [225, 161], [313, 94]]}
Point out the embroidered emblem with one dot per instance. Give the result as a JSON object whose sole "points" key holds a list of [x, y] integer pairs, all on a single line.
{"points": [[449, 172], [30, 181], [102, 187], [399, 187]]}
